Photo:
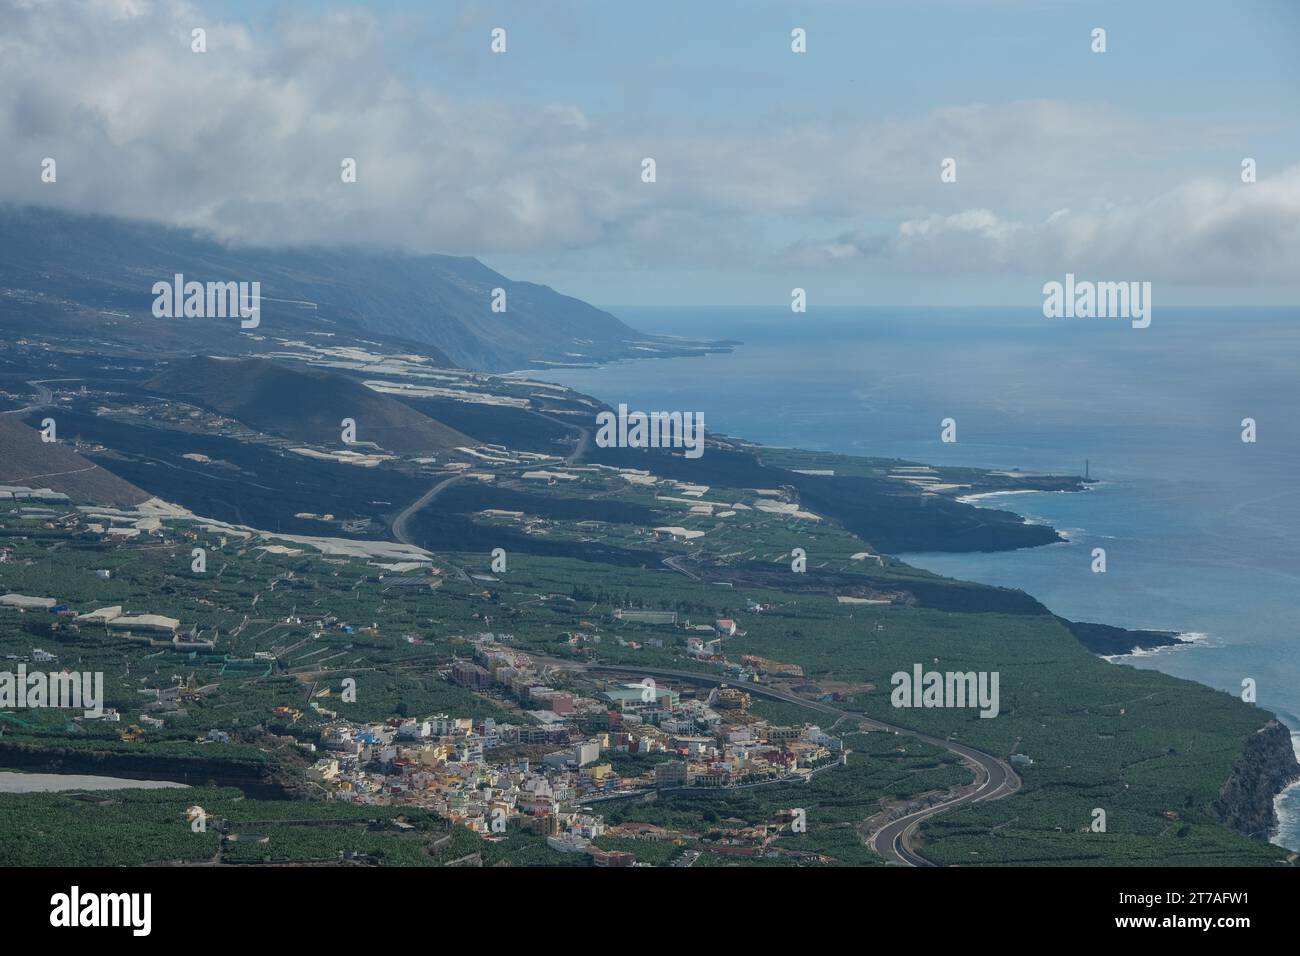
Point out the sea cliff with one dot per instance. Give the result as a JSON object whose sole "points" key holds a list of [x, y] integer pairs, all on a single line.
{"points": [[1265, 766]]}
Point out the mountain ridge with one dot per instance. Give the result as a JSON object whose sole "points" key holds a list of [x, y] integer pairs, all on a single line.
{"points": [[306, 405], [108, 267]]}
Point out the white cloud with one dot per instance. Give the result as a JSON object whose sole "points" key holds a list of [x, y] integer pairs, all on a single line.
{"points": [[246, 142], [1202, 231]]}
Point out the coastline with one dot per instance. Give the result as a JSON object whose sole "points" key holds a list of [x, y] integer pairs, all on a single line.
{"points": [[1116, 644], [1286, 807], [1111, 642], [971, 499], [1183, 640]]}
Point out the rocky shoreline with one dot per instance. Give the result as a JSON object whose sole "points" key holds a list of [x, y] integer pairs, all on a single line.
{"points": [[1107, 640], [1265, 767]]}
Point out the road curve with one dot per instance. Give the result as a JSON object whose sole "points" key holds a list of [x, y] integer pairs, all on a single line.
{"points": [[994, 777], [44, 396], [400, 523], [403, 519], [584, 437]]}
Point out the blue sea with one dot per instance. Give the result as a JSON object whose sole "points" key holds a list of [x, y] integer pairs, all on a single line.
{"points": [[1201, 530]]}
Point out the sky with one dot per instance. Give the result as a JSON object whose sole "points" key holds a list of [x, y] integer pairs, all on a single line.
{"points": [[774, 169]]}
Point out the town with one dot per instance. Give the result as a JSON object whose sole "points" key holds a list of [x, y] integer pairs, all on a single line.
{"points": [[544, 776]]}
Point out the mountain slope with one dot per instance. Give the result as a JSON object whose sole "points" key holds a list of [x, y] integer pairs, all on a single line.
{"points": [[441, 303], [28, 461], [304, 405]]}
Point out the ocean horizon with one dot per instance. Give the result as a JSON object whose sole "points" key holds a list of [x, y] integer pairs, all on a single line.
{"points": [[1198, 526]]}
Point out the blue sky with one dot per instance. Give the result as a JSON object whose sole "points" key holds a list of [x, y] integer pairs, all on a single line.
{"points": [[727, 59], [774, 169]]}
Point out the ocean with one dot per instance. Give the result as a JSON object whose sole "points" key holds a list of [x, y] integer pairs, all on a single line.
{"points": [[1201, 530]]}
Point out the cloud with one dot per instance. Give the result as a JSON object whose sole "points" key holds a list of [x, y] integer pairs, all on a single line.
{"points": [[246, 142], [1204, 231]]}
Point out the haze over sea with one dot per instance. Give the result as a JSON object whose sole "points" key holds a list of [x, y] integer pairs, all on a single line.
{"points": [[1201, 530]]}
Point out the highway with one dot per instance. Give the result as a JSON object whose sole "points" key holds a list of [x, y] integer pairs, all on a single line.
{"points": [[673, 563], [994, 777], [584, 437], [44, 396], [401, 521]]}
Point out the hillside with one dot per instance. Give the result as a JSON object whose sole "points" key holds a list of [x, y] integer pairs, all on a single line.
{"points": [[26, 460], [304, 405], [92, 274]]}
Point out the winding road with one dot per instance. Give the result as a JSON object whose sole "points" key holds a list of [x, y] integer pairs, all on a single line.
{"points": [[994, 777], [44, 396], [403, 519]]}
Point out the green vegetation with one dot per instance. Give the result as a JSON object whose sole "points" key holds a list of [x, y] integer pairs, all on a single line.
{"points": [[1151, 750], [135, 827]]}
